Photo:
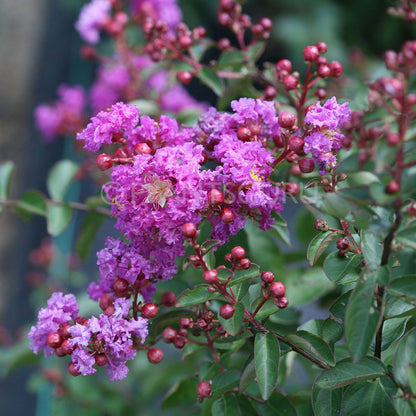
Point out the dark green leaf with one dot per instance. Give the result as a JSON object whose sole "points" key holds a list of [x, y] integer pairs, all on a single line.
{"points": [[326, 402], [347, 372], [319, 243], [362, 178], [233, 325], [277, 405], [256, 51], [210, 260], [90, 226], [241, 275], [224, 382], [340, 305], [6, 171], [266, 356], [224, 274], [313, 345], [367, 399], [332, 331], [411, 376], [191, 348], [210, 78], [305, 286], [230, 59], [225, 406], [404, 356], [337, 267], [372, 249], [362, 318], [199, 294], [181, 394], [393, 329], [268, 308], [405, 285], [279, 229], [33, 202], [60, 177], [208, 370], [58, 218], [247, 376], [246, 406], [209, 245], [337, 206], [241, 289]]}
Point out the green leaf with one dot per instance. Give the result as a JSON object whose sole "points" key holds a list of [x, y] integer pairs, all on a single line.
{"points": [[199, 294], [332, 331], [367, 399], [266, 356], [209, 245], [90, 226], [255, 51], [405, 285], [411, 376], [277, 405], [58, 218], [230, 59], [146, 107], [224, 381], [404, 356], [241, 289], [319, 244], [233, 325], [17, 356], [362, 178], [6, 171], [33, 202], [337, 206], [211, 79], [181, 394], [313, 345], [242, 275], [306, 286], [60, 177], [225, 406], [348, 372], [326, 402], [336, 267], [362, 318], [208, 370], [372, 249], [393, 329], [247, 376], [339, 306], [279, 229]]}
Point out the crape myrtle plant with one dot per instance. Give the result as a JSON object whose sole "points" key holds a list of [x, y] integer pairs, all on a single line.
{"points": [[195, 194]]}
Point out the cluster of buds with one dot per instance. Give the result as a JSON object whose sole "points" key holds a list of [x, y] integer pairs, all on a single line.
{"points": [[274, 290], [115, 25], [163, 44], [230, 15], [404, 9]]}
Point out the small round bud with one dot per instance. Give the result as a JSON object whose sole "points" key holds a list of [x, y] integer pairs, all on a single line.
{"points": [[320, 93], [203, 390], [63, 330], [282, 303], [322, 47], [277, 289], [54, 340], [341, 177], [179, 341], [227, 311], [72, 370], [291, 188], [244, 134], [393, 139], [101, 359], [210, 276], [267, 277], [270, 93], [227, 5], [336, 69], [286, 120], [184, 322], [227, 215], [296, 144], [215, 197], [184, 77], [105, 302], [411, 209], [238, 253], [310, 53], [228, 258], [324, 71], [224, 44], [66, 348], [104, 161], [81, 320], [60, 352], [155, 355], [306, 165], [169, 334], [290, 82], [185, 41], [284, 65], [110, 310], [120, 286], [266, 23], [168, 299], [189, 230], [392, 187], [343, 243], [149, 310], [142, 149], [245, 264], [321, 225]]}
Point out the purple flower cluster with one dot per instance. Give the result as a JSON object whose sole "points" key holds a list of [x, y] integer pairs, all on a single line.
{"points": [[108, 336], [61, 309], [92, 18], [65, 116], [166, 10], [119, 119], [325, 138]]}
